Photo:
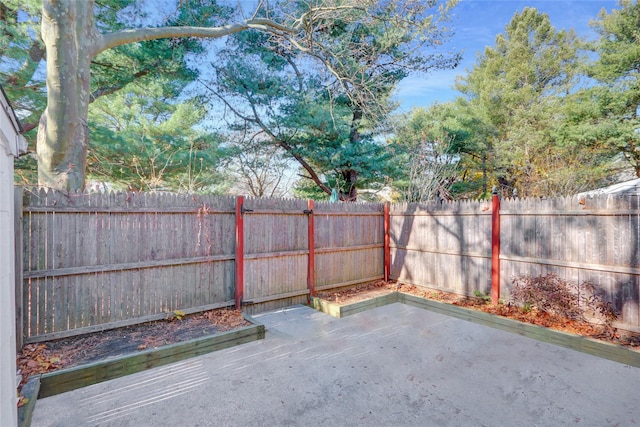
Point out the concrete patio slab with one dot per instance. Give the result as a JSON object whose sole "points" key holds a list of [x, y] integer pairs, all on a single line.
{"points": [[391, 366]]}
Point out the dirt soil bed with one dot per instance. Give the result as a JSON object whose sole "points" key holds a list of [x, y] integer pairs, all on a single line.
{"points": [[359, 293], [547, 320], [68, 352]]}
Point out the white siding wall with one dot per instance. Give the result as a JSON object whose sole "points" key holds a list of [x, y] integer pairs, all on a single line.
{"points": [[8, 402], [10, 144]]}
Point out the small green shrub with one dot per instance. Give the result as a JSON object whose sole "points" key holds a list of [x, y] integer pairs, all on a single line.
{"points": [[175, 315], [482, 295]]}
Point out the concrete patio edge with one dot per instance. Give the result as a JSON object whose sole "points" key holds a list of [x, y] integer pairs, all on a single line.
{"points": [[45, 385], [84, 375], [614, 352]]}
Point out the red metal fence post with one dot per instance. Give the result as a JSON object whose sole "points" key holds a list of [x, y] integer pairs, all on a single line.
{"points": [[311, 267], [495, 247], [239, 252], [387, 250]]}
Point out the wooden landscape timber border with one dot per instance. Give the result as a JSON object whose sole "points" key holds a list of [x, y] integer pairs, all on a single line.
{"points": [[614, 352], [84, 375], [50, 384], [339, 310], [29, 392]]}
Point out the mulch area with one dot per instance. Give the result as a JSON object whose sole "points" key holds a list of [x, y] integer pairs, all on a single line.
{"points": [[359, 292], [68, 352], [535, 317]]}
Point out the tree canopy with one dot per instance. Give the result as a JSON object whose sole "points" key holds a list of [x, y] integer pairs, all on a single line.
{"points": [[136, 98], [519, 114], [320, 100], [365, 46], [615, 117]]}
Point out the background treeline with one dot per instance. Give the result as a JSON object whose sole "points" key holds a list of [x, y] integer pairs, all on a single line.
{"points": [[541, 112]]}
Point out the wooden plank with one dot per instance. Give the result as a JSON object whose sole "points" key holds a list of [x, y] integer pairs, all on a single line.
{"points": [[239, 254], [30, 294], [343, 310], [348, 248], [434, 214], [82, 376], [346, 213], [349, 283], [325, 306], [276, 254], [30, 392], [495, 249], [68, 246], [276, 212], [276, 297], [567, 212], [574, 264], [444, 251], [40, 302], [121, 210], [387, 242], [102, 268], [58, 308]]}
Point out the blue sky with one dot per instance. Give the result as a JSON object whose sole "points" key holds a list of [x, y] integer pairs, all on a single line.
{"points": [[476, 24]]}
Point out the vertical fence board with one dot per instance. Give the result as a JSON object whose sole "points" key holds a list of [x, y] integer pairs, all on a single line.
{"points": [[19, 265]]}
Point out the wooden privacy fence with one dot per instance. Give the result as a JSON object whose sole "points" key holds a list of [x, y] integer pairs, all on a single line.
{"points": [[594, 240], [445, 245], [95, 261], [448, 246]]}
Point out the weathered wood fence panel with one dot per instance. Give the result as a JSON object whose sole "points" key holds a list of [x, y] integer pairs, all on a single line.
{"points": [[444, 246], [276, 253], [596, 240], [349, 241], [592, 239], [98, 261], [94, 261]]}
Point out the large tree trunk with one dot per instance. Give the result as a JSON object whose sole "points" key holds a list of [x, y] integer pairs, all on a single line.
{"points": [[63, 136], [350, 176], [351, 179], [72, 41]]}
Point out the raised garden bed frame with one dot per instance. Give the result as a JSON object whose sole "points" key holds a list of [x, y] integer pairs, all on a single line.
{"points": [[614, 352], [49, 384]]}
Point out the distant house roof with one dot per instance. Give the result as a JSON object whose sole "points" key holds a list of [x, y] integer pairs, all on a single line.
{"points": [[6, 105], [631, 187]]}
